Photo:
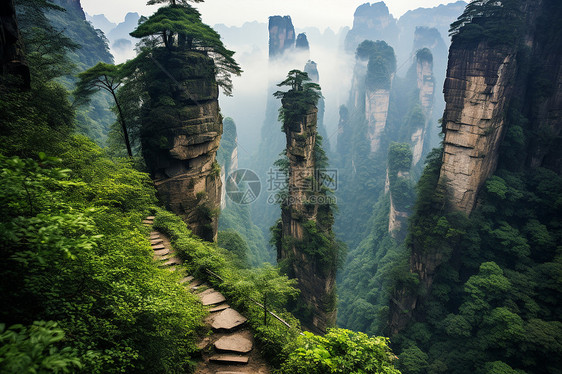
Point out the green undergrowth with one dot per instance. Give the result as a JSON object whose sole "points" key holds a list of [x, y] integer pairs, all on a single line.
{"points": [[287, 349], [74, 252], [238, 285]]}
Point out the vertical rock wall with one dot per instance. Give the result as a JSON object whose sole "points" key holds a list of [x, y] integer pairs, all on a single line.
{"points": [[281, 35], [317, 285], [180, 138], [479, 85], [426, 87], [376, 112]]}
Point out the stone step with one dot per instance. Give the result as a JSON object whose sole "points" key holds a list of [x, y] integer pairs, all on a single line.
{"points": [[187, 279], [195, 283], [161, 252], [172, 261], [211, 298], [200, 288], [156, 241], [154, 233], [237, 343], [158, 246], [228, 319], [147, 222], [150, 217], [219, 308], [229, 359]]}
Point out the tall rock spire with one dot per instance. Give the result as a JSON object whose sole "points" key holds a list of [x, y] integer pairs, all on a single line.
{"points": [[180, 141], [306, 245]]}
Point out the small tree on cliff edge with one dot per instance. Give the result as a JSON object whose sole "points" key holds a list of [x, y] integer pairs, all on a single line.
{"points": [[178, 26], [302, 95]]}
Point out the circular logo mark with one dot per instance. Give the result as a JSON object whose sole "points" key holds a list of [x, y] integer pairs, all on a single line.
{"points": [[243, 186]]}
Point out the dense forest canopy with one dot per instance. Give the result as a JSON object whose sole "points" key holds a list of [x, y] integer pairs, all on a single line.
{"points": [[424, 286]]}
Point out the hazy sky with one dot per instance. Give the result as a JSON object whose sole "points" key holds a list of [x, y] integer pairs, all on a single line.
{"points": [[319, 13]]}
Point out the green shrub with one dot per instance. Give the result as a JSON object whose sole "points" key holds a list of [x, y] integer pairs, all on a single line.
{"points": [[339, 351]]}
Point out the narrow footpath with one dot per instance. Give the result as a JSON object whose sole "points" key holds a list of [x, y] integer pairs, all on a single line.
{"points": [[228, 345]]}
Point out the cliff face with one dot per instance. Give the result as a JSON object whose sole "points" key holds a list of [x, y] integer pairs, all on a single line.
{"points": [[12, 59], [281, 35], [376, 113], [484, 83], [317, 285], [181, 136], [426, 87], [73, 6], [371, 22], [479, 85]]}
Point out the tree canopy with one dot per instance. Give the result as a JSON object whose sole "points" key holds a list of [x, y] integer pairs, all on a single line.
{"points": [[300, 97], [179, 27], [107, 77]]}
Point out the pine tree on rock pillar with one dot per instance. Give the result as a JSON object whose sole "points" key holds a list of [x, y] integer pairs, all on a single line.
{"points": [[306, 246]]}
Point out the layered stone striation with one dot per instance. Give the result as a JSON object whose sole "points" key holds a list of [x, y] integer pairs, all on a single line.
{"points": [[315, 281], [426, 90], [181, 135], [377, 101], [480, 82]]}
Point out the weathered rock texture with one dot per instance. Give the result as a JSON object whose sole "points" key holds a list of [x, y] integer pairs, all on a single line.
{"points": [[180, 138], [371, 22], [311, 68], [478, 88], [317, 285], [12, 61], [483, 80], [426, 87], [376, 112], [281, 35], [398, 216]]}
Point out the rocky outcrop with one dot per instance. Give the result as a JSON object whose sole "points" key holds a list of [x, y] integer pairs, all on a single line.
{"points": [[371, 22], [479, 85], [73, 6], [311, 68], [426, 87], [486, 81], [12, 61], [302, 208], [399, 186], [376, 113], [180, 138], [302, 42], [281, 35]]}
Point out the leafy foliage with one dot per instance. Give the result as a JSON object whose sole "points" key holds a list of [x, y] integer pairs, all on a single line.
{"points": [[74, 243], [180, 27], [33, 350], [238, 284], [105, 77], [381, 65], [497, 22], [299, 98], [339, 351]]}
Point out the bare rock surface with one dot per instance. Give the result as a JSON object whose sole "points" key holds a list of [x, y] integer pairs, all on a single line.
{"points": [[211, 297], [239, 343], [228, 319], [229, 359]]}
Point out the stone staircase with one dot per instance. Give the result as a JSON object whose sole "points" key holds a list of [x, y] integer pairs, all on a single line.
{"points": [[229, 348]]}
